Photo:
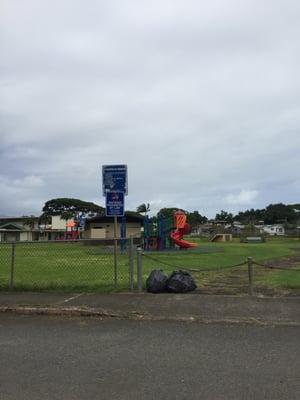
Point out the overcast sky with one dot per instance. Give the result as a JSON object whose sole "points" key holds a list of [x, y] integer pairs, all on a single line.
{"points": [[200, 99]]}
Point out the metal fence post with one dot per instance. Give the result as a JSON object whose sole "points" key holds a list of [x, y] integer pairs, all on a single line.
{"points": [[139, 270], [12, 266], [250, 275], [115, 251], [131, 263]]}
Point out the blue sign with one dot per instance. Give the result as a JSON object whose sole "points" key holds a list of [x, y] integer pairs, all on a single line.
{"points": [[114, 179], [115, 204], [81, 222]]}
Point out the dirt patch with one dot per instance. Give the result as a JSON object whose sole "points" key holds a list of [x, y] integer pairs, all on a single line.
{"points": [[284, 262], [237, 284], [235, 281]]}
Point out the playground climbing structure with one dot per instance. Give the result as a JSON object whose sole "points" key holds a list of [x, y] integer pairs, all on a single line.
{"points": [[182, 228]]}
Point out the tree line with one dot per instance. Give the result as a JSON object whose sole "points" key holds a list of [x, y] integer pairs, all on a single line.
{"points": [[279, 213], [273, 214]]}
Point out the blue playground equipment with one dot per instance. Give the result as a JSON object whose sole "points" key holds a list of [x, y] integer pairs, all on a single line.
{"points": [[157, 233]]}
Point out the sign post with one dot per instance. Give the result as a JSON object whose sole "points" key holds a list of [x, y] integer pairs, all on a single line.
{"points": [[115, 208], [116, 250], [115, 187]]}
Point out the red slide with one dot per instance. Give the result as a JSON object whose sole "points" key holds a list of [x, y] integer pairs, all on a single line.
{"points": [[181, 228], [177, 237]]}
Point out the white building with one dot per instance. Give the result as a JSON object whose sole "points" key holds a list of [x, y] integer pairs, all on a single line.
{"points": [[273, 230]]}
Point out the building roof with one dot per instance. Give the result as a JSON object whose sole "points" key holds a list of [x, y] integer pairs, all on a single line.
{"points": [[2, 218], [130, 217], [11, 226]]}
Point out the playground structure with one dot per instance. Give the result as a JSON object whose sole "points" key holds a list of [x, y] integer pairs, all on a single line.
{"points": [[165, 233], [182, 228], [157, 233], [221, 237], [72, 232], [73, 228]]}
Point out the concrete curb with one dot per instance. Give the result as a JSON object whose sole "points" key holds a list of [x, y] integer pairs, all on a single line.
{"points": [[135, 316]]}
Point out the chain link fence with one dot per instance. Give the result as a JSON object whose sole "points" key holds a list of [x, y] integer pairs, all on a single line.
{"points": [[82, 265], [89, 265]]}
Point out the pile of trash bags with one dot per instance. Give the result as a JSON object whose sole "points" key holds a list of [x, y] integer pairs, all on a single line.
{"points": [[177, 282]]}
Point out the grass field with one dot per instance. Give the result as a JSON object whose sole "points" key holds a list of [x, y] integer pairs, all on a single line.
{"points": [[217, 256], [75, 266], [61, 266]]}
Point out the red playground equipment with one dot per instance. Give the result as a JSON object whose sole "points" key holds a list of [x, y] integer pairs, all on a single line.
{"points": [[182, 228], [71, 232]]}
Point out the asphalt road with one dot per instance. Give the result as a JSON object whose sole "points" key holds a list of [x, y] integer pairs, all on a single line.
{"points": [[85, 358]]}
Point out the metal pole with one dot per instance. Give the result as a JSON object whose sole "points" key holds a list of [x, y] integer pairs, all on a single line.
{"points": [[139, 270], [12, 266], [115, 250], [250, 275], [131, 263]]}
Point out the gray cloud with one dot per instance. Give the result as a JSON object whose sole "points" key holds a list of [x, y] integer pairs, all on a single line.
{"points": [[200, 100]]}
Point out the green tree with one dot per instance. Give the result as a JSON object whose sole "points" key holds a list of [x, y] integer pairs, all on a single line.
{"points": [[250, 216], [196, 219], [70, 208], [168, 212], [280, 213], [272, 214], [143, 208], [44, 219], [30, 221], [224, 216]]}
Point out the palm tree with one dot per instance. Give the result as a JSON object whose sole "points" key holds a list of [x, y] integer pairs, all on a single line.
{"points": [[143, 208], [30, 221]]}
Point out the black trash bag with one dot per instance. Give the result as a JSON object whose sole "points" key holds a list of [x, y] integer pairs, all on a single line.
{"points": [[156, 282], [180, 282]]}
